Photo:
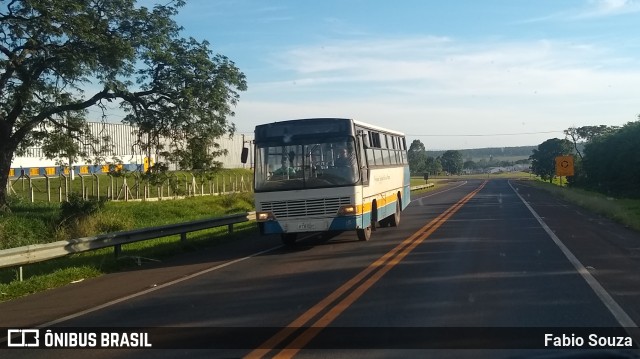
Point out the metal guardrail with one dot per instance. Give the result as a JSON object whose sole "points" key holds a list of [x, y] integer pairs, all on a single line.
{"points": [[42, 252]]}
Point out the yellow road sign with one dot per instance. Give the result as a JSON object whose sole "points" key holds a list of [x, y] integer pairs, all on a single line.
{"points": [[564, 166]]}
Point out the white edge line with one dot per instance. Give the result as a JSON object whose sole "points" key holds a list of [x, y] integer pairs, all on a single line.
{"points": [[621, 316], [146, 291]]}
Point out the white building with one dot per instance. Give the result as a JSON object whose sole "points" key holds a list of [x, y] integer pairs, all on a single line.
{"points": [[123, 146]]}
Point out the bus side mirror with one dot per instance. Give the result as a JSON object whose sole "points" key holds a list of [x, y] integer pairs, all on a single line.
{"points": [[244, 155]]}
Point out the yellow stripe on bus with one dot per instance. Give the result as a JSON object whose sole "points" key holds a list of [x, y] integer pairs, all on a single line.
{"points": [[381, 202]]}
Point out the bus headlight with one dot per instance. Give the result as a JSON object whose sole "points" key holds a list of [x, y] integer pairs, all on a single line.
{"points": [[347, 210], [264, 216]]}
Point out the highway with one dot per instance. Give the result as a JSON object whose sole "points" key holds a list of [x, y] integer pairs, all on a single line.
{"points": [[476, 269]]}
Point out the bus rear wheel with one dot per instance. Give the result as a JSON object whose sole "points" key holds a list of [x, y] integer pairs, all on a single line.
{"points": [[289, 239], [394, 220], [364, 234]]}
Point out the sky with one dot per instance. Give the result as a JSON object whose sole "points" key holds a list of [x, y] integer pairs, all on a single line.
{"points": [[453, 74]]}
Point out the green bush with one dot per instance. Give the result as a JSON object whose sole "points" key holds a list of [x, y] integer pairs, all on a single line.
{"points": [[78, 208]]}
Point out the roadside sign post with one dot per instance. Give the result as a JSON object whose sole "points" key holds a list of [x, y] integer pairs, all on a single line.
{"points": [[564, 167]]}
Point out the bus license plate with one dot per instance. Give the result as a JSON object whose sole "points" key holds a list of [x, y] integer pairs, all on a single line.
{"points": [[309, 226], [306, 226]]}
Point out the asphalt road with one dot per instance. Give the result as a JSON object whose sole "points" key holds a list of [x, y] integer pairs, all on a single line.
{"points": [[470, 272]]}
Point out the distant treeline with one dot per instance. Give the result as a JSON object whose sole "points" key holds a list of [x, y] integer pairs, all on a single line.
{"points": [[496, 152]]}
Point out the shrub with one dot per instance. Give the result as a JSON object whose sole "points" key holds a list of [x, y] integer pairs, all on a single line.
{"points": [[77, 208]]}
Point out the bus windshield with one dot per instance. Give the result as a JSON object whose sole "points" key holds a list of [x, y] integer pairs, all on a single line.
{"points": [[306, 163]]}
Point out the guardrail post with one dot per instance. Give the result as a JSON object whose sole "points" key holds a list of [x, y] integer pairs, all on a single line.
{"points": [[183, 237], [117, 249], [230, 227]]}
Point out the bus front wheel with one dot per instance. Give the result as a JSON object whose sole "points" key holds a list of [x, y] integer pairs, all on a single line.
{"points": [[364, 234]]}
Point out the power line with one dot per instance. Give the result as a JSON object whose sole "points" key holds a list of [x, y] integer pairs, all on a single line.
{"points": [[488, 135]]}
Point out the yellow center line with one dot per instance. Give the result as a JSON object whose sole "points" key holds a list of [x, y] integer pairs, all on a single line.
{"points": [[384, 264]]}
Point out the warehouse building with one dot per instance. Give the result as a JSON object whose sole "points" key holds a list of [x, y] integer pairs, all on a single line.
{"points": [[121, 148]]}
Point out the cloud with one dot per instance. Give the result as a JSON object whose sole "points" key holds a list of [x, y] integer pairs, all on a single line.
{"points": [[441, 85], [593, 9], [602, 8], [433, 65]]}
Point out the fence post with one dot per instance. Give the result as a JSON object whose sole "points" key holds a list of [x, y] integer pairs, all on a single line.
{"points": [[111, 187], [83, 192], [48, 185], [97, 186], [63, 183]]}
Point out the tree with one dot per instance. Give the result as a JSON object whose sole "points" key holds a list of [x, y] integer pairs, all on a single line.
{"points": [[452, 161], [417, 157], [469, 165], [587, 133], [611, 163], [433, 165], [59, 58], [543, 158]]}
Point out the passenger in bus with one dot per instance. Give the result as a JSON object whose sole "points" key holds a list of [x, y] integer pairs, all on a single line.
{"points": [[286, 169], [345, 158]]}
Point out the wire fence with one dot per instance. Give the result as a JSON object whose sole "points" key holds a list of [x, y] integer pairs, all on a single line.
{"points": [[130, 187]]}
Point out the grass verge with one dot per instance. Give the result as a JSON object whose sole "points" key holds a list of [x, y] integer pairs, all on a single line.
{"points": [[40, 223], [622, 210]]}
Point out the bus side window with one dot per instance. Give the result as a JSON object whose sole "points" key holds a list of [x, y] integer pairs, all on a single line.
{"points": [[364, 164]]}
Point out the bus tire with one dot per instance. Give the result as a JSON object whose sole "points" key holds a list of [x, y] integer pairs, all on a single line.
{"points": [[289, 239], [364, 234], [394, 219]]}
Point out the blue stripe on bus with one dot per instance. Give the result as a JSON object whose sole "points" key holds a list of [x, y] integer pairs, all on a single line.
{"points": [[271, 227]]}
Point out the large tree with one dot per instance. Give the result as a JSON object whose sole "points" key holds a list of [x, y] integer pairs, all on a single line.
{"points": [[452, 161], [60, 57], [417, 157], [612, 164], [433, 165], [587, 133], [543, 158]]}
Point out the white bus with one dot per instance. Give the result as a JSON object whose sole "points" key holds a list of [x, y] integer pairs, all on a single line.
{"points": [[329, 174]]}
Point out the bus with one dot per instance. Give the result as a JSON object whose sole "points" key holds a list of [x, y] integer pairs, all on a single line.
{"points": [[328, 174]]}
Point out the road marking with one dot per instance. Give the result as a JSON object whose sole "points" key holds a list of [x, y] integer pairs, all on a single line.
{"points": [[164, 285], [419, 199], [358, 285], [621, 316]]}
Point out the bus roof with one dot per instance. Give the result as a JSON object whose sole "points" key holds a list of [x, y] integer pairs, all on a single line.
{"points": [[357, 123], [377, 128]]}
